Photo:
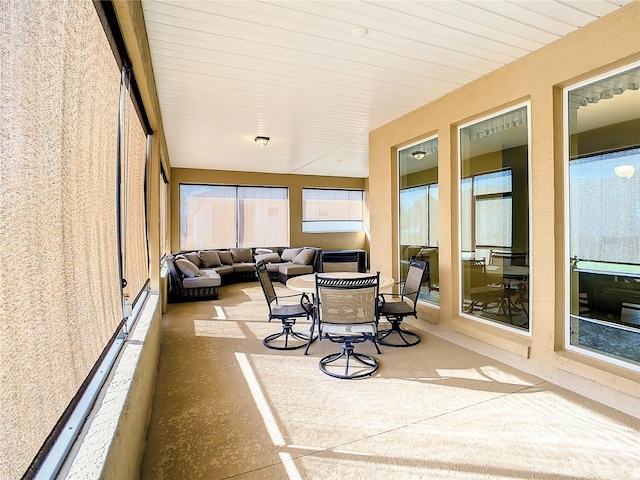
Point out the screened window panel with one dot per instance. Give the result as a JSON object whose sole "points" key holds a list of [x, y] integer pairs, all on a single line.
{"points": [[213, 216], [207, 217], [331, 205], [326, 210], [493, 221], [604, 228], [489, 183], [57, 214], [263, 216], [414, 215], [135, 250]]}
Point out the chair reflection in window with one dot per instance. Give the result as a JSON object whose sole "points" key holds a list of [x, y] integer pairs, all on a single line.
{"points": [[478, 293], [516, 291], [506, 258]]}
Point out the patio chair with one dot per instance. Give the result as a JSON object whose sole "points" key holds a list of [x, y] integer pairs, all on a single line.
{"points": [[478, 293], [507, 258], [395, 311], [347, 313], [287, 339], [516, 291]]}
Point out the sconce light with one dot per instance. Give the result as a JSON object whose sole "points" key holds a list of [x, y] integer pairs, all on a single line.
{"points": [[262, 141], [418, 155], [624, 171]]}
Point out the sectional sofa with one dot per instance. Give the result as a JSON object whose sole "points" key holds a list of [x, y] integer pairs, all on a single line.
{"points": [[197, 275]]}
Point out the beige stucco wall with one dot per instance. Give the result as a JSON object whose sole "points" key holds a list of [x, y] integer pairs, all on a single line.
{"points": [[538, 78], [295, 183]]}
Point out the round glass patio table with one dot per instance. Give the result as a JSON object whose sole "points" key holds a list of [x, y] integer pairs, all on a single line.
{"points": [[307, 283]]}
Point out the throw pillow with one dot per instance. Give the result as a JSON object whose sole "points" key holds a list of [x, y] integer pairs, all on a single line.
{"points": [[241, 255], [268, 258], [187, 268], [288, 254], [225, 257], [210, 259], [193, 258], [305, 257]]}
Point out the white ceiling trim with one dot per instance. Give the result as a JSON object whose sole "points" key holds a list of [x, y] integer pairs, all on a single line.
{"points": [[227, 71]]}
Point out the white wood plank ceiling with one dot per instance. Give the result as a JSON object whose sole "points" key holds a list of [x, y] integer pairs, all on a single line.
{"points": [[228, 71]]}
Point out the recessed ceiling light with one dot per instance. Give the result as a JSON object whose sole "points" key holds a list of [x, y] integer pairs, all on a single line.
{"points": [[360, 32]]}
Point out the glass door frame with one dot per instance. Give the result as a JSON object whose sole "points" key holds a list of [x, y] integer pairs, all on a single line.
{"points": [[398, 176], [566, 342], [457, 257]]}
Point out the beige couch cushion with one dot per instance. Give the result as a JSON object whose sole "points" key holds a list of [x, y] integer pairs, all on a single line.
{"points": [[294, 269], [288, 254], [305, 257], [209, 259], [275, 267], [268, 258], [223, 269], [209, 278], [193, 258], [244, 267], [187, 268], [241, 255], [225, 257]]}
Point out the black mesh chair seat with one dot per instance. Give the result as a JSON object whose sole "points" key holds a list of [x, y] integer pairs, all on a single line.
{"points": [[395, 307], [287, 338]]}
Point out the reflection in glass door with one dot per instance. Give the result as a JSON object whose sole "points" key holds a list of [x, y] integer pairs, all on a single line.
{"points": [[494, 219], [603, 200], [418, 215]]}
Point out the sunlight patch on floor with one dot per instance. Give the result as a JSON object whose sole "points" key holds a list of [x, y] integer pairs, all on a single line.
{"points": [[208, 328], [260, 400]]}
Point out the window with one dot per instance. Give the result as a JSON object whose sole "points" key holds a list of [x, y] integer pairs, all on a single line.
{"points": [[164, 213], [327, 210], [418, 212], [59, 197], [487, 204], [603, 221], [494, 219], [220, 216]]}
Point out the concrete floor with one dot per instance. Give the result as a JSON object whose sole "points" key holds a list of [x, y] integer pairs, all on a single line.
{"points": [[226, 407]]}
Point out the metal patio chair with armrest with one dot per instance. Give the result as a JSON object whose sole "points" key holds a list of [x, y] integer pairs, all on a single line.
{"points": [[286, 313], [507, 258], [395, 311], [515, 291], [347, 313], [478, 293]]}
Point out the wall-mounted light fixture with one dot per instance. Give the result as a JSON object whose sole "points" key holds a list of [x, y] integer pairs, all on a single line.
{"points": [[624, 171], [418, 155], [262, 141]]}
